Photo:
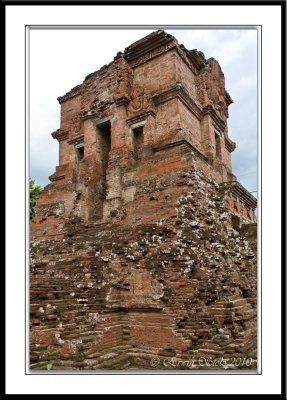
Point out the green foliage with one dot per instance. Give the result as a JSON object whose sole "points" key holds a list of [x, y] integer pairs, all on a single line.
{"points": [[34, 191], [50, 365], [52, 358]]}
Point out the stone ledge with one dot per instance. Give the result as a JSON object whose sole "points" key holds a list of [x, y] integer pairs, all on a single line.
{"points": [[140, 117], [239, 191], [75, 91], [148, 47], [54, 177], [178, 91], [60, 135], [180, 142], [77, 140], [229, 145], [135, 306], [214, 116]]}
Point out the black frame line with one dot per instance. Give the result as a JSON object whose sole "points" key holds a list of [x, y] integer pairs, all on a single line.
{"points": [[282, 4], [143, 3]]}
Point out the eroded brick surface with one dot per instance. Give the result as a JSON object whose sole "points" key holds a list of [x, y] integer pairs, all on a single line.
{"points": [[144, 244]]}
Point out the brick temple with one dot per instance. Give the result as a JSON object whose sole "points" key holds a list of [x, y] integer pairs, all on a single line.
{"points": [[144, 242]]}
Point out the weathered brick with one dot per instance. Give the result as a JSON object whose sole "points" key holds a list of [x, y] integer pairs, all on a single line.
{"points": [[142, 244]]}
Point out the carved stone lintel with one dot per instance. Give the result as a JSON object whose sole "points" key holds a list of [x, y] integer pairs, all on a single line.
{"points": [[101, 121], [76, 140], [122, 101], [89, 114], [140, 117]]}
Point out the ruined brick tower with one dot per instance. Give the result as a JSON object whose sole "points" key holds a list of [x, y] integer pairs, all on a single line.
{"points": [[144, 243]]}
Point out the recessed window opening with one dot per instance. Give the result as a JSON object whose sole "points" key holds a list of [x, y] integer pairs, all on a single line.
{"points": [[104, 147], [138, 139], [217, 145], [80, 152]]}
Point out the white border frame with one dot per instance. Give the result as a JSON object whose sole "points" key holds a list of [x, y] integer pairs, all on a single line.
{"points": [[270, 380]]}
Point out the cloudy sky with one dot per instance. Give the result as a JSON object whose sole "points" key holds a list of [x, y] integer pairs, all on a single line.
{"points": [[60, 60]]}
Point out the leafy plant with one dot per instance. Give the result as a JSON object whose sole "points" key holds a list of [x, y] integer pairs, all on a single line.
{"points": [[50, 365], [52, 355], [34, 191]]}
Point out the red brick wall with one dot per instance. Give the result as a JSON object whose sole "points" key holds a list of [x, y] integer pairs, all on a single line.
{"points": [[136, 255]]}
